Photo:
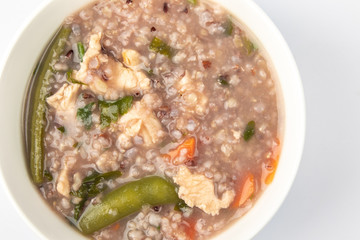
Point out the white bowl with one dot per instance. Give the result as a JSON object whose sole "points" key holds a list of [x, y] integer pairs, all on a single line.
{"points": [[14, 77]]}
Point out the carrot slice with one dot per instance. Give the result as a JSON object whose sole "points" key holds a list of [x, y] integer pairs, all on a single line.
{"points": [[247, 189], [270, 165], [115, 227], [190, 230], [175, 155], [269, 169]]}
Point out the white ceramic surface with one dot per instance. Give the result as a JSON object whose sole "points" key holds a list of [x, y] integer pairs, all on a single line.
{"points": [[22, 58]]}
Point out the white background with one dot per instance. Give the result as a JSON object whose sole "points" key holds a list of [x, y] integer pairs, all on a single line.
{"points": [[324, 36]]}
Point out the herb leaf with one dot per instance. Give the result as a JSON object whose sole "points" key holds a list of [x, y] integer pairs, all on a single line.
{"points": [[61, 129], [81, 50], [159, 46], [48, 175], [181, 206], [150, 73], [97, 177], [222, 80], [228, 27], [85, 115], [249, 130], [79, 208], [249, 46], [91, 186], [193, 2], [110, 110], [72, 80]]}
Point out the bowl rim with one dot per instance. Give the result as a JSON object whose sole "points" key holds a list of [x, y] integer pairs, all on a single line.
{"points": [[248, 218]]}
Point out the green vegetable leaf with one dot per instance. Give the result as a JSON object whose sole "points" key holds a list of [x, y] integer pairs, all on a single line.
{"points": [[249, 130], [110, 110], [159, 46], [84, 114], [150, 73], [61, 129], [48, 176], [79, 208], [249, 46], [72, 80], [193, 2], [91, 186], [222, 80], [97, 177], [228, 27], [181, 206], [81, 50]]}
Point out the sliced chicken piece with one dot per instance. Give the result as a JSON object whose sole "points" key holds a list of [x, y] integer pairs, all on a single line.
{"points": [[63, 181], [141, 120], [64, 102], [65, 98], [131, 57], [107, 77], [197, 190], [193, 100]]}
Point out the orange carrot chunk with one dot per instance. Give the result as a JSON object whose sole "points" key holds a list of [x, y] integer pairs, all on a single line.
{"points": [[270, 165], [247, 189], [190, 230], [269, 170], [183, 153]]}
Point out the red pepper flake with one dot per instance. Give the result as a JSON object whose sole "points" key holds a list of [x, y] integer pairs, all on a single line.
{"points": [[165, 7], [129, 1], [206, 64], [153, 29], [186, 10]]}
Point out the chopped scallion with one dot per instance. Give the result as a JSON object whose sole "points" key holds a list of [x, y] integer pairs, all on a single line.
{"points": [[193, 2], [61, 129], [249, 130], [81, 50], [159, 46], [222, 80], [110, 110], [72, 80], [84, 114], [228, 27]]}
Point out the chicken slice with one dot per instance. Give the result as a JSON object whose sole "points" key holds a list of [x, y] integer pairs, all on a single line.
{"points": [[141, 120], [64, 102], [65, 98], [63, 182], [197, 190], [107, 77], [193, 100], [131, 57]]}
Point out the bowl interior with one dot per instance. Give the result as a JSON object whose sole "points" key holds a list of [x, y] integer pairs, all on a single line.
{"points": [[15, 73]]}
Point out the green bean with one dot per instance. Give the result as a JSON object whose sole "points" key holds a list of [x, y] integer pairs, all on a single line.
{"points": [[43, 75], [126, 200]]}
